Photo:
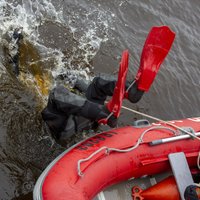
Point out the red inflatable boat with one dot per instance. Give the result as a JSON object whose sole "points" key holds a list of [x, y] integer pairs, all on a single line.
{"points": [[89, 167]]}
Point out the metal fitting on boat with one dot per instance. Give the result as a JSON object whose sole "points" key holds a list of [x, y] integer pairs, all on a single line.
{"points": [[141, 123]]}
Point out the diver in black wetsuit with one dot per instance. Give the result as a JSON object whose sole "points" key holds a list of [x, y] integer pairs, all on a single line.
{"points": [[67, 113]]}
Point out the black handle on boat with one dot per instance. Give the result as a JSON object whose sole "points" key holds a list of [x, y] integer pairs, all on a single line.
{"points": [[172, 139]]}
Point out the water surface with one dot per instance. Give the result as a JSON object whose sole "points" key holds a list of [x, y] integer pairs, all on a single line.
{"points": [[85, 38]]}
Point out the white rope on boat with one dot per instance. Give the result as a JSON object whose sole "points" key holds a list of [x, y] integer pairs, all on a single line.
{"points": [[140, 140], [159, 120], [108, 150], [80, 173]]}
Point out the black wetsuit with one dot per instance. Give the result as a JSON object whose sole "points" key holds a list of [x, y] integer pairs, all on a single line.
{"points": [[67, 113]]}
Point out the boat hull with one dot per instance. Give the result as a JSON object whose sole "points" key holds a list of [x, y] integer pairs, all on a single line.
{"points": [[71, 177]]}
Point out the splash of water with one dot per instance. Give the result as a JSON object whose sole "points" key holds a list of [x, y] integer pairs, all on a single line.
{"points": [[88, 30], [29, 15]]}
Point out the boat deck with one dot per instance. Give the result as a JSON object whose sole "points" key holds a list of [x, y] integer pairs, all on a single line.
{"points": [[123, 191]]}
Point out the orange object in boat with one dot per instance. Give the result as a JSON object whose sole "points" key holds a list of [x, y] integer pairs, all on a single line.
{"points": [[165, 190]]}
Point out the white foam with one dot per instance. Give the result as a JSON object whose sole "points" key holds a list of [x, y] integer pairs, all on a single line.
{"points": [[89, 31]]}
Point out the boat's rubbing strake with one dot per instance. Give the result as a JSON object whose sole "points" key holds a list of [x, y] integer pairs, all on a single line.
{"points": [[37, 192]]}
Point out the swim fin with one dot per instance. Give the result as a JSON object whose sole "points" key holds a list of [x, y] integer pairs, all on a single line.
{"points": [[156, 48]]}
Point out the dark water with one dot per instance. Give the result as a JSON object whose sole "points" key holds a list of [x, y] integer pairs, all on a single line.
{"points": [[85, 38]]}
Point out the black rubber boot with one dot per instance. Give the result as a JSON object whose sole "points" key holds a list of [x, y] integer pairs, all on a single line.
{"points": [[100, 88], [134, 94]]}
